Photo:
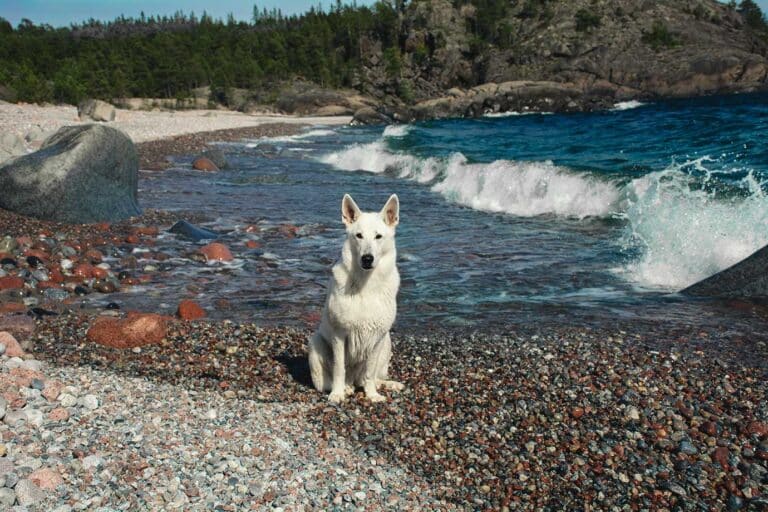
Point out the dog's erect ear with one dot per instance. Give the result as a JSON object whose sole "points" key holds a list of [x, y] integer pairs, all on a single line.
{"points": [[391, 211], [349, 210]]}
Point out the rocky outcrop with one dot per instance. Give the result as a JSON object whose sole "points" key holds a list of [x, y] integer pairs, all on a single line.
{"points": [[554, 55], [96, 110], [302, 98], [81, 174]]}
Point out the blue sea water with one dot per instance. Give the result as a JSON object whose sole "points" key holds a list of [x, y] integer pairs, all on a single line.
{"points": [[508, 218]]}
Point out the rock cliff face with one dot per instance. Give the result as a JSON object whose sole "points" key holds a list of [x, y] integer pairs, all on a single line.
{"points": [[562, 55]]}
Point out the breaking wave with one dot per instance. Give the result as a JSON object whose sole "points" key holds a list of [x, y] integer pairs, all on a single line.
{"points": [[519, 188], [682, 224], [684, 227]]}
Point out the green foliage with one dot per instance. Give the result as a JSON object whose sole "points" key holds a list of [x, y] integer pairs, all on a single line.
{"points": [[753, 15], [167, 57], [586, 20], [660, 37], [392, 62], [405, 91], [536, 9]]}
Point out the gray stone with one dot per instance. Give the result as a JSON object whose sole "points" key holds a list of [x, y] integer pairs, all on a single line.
{"points": [[92, 462], [7, 498], [11, 145], [28, 493], [3, 405], [34, 417], [81, 174], [13, 417], [35, 134], [89, 402], [748, 278], [96, 110], [8, 244], [67, 400]]}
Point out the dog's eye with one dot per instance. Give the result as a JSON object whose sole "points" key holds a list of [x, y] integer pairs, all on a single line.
{"points": [[359, 235], [378, 236]]}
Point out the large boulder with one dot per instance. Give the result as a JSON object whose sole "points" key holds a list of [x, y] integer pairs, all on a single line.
{"points": [[746, 279], [81, 174], [96, 110], [11, 145]]}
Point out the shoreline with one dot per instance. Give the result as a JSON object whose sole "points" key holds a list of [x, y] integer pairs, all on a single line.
{"points": [[221, 414]]}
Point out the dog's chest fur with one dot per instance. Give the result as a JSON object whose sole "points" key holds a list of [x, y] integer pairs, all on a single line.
{"points": [[365, 309]]}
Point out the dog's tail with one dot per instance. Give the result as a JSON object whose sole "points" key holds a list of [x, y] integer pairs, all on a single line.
{"points": [[320, 359]]}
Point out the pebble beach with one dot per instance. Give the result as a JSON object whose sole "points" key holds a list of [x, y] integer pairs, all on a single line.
{"points": [[220, 415]]}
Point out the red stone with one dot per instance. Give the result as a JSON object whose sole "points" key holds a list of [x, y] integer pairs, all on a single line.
{"points": [[204, 164], [37, 253], [720, 456], [13, 307], [216, 252], [190, 310], [103, 226], [52, 390], [58, 414], [146, 230], [20, 326], [94, 256], [100, 273], [577, 412], [137, 330], [83, 270], [252, 244], [758, 429], [288, 230], [55, 276], [46, 478], [12, 347], [11, 283], [132, 239]]}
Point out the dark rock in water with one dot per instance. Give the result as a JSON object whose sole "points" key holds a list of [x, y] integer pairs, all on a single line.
{"points": [[81, 174], [192, 232], [217, 156], [748, 278]]}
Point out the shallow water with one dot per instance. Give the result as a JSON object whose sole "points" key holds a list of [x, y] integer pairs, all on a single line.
{"points": [[576, 218]]}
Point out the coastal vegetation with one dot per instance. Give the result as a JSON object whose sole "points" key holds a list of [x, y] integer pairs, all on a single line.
{"points": [[406, 50]]}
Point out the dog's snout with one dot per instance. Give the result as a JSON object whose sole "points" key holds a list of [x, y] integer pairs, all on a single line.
{"points": [[367, 261]]}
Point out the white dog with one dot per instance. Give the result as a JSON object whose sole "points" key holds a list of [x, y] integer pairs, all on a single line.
{"points": [[351, 347]]}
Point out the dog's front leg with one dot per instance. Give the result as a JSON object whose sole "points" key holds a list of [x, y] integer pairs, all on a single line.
{"points": [[339, 384], [371, 374]]}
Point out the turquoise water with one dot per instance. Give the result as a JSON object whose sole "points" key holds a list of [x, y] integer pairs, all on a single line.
{"points": [[510, 218]]}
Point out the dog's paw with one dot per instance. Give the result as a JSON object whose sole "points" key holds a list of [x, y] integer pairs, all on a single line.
{"points": [[392, 385], [336, 398], [349, 390], [376, 397]]}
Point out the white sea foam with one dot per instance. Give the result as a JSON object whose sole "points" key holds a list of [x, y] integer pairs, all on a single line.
{"points": [[526, 189], [518, 188], [397, 130], [298, 138], [684, 233], [627, 105], [513, 113]]}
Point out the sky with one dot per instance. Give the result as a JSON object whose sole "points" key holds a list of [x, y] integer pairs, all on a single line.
{"points": [[63, 12]]}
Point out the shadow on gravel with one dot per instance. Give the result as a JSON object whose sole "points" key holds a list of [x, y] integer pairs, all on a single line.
{"points": [[298, 368]]}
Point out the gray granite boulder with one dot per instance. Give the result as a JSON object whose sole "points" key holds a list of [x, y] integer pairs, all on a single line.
{"points": [[96, 110], [747, 278], [81, 174], [11, 145]]}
